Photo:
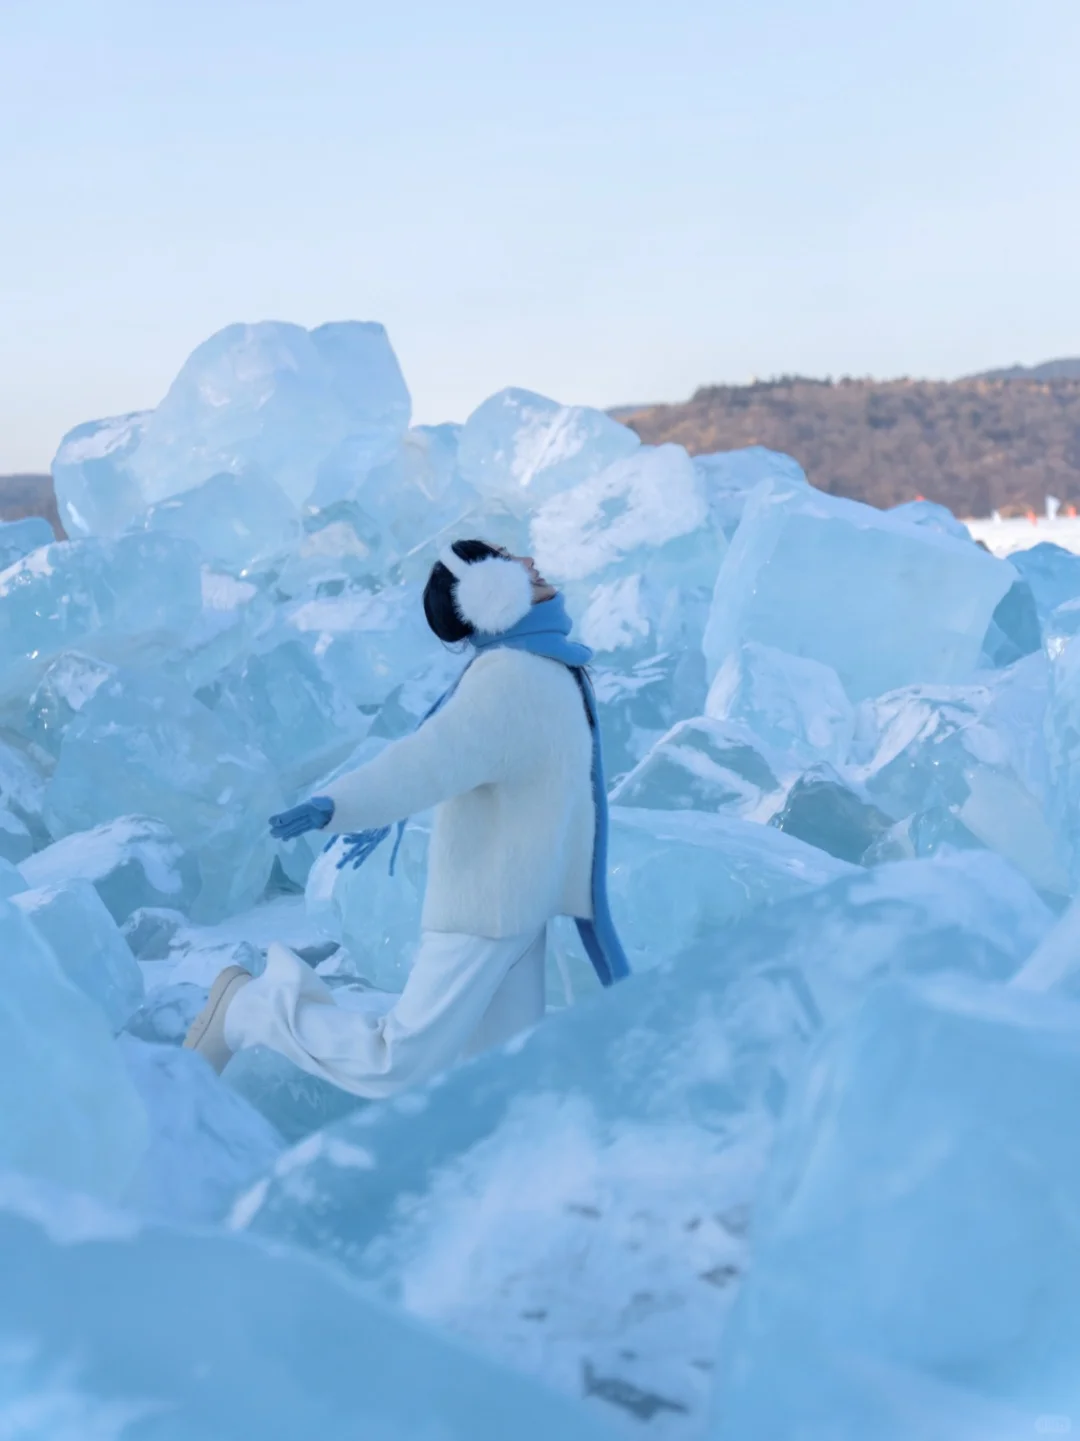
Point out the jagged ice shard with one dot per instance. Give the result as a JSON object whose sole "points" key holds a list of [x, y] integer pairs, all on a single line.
{"points": [[130, 598], [132, 862], [844, 774], [519, 448], [86, 941], [144, 745], [882, 601]]}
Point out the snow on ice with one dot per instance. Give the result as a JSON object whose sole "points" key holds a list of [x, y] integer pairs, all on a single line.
{"points": [[809, 1171]]}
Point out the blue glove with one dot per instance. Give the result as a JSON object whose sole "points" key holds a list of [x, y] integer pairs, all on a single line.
{"points": [[313, 815]]}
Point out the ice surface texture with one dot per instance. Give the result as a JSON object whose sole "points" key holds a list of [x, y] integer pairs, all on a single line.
{"points": [[86, 941], [521, 448], [882, 601], [131, 598], [72, 1115], [206, 1143], [109, 1330], [788, 700], [271, 398], [916, 1255], [373, 914], [132, 861], [143, 745], [236, 519]]}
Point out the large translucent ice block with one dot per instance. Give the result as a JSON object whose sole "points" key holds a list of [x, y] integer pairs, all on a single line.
{"points": [[521, 448], [273, 398], [919, 1232], [675, 877], [636, 503], [971, 760], [882, 601], [366, 641], [634, 554], [1052, 573], [731, 477], [969, 912], [63, 690], [207, 1143], [71, 1114], [133, 861], [117, 600], [788, 700], [86, 941], [235, 613], [96, 493], [292, 1102], [282, 700], [235, 519], [187, 1335], [708, 765], [408, 488], [144, 746]]}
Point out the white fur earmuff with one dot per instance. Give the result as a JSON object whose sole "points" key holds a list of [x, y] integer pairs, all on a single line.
{"points": [[492, 594]]}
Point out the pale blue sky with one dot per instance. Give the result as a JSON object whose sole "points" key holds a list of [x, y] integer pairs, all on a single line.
{"points": [[608, 202]]}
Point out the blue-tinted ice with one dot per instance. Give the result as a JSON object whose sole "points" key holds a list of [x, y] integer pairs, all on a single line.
{"points": [[534, 1199], [86, 941], [843, 758], [884, 602], [72, 1115], [110, 1329], [519, 448], [133, 862], [130, 599], [143, 745], [916, 1254]]}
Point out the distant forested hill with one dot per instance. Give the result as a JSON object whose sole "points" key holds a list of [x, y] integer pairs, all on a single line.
{"points": [[975, 445]]}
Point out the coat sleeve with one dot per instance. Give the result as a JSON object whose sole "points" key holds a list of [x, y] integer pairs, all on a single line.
{"points": [[471, 742]]}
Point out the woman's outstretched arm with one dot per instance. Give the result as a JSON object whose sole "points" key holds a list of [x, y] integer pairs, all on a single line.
{"points": [[474, 740]]}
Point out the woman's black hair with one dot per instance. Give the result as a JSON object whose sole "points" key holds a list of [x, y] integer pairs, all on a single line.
{"points": [[439, 606]]}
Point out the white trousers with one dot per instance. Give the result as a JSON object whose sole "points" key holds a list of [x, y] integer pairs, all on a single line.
{"points": [[463, 995]]}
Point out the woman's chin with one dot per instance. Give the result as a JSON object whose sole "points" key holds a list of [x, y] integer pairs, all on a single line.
{"points": [[542, 593]]}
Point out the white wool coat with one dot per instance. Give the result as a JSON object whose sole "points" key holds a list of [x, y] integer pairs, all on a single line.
{"points": [[507, 762]]}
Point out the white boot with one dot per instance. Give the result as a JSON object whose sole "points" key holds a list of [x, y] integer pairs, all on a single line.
{"points": [[207, 1033]]}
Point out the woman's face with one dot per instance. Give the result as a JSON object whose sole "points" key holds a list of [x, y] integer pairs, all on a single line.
{"points": [[541, 590]]}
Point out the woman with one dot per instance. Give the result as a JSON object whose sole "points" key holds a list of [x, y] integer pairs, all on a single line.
{"points": [[510, 759]]}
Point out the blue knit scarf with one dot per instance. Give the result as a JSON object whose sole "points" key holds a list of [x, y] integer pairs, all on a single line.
{"points": [[544, 631]]}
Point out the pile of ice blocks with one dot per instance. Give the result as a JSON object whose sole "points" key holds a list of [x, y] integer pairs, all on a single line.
{"points": [[811, 1172]]}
